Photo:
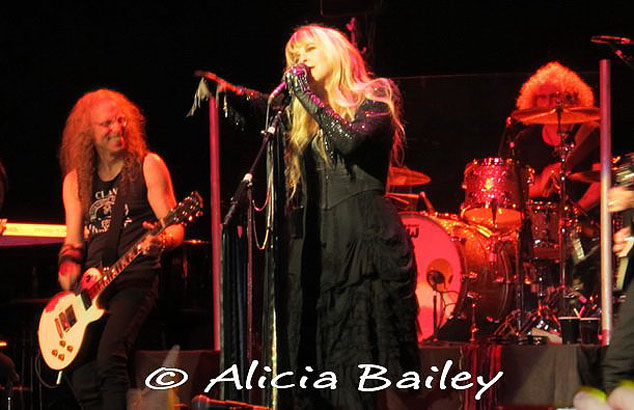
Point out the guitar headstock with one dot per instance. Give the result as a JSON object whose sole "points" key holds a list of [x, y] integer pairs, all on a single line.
{"points": [[186, 211]]}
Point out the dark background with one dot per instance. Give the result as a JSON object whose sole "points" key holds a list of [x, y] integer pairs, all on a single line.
{"points": [[459, 64]]}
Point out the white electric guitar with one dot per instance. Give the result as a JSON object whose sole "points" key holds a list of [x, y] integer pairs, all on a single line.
{"points": [[67, 315]]}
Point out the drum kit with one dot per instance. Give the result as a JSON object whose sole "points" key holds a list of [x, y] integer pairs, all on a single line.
{"points": [[492, 268]]}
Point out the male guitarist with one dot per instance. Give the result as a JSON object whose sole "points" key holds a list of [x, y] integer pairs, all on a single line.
{"points": [[618, 365], [113, 191]]}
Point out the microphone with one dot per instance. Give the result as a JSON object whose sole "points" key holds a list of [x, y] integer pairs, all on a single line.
{"points": [[435, 278], [277, 91], [613, 40]]}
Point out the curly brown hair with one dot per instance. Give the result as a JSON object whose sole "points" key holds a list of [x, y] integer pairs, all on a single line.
{"points": [[569, 83], [77, 151]]}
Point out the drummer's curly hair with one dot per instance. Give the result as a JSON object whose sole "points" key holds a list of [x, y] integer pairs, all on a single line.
{"points": [[575, 90]]}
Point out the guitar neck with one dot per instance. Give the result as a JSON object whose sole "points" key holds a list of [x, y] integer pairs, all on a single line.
{"points": [[109, 274], [184, 212]]}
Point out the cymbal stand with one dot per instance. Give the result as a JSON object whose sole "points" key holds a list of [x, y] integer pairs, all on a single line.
{"points": [[523, 247], [564, 149]]}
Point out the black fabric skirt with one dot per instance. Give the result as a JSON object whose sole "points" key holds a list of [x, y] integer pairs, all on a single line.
{"points": [[360, 306]]}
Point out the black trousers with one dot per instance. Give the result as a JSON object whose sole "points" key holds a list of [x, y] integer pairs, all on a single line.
{"points": [[618, 364], [103, 381]]}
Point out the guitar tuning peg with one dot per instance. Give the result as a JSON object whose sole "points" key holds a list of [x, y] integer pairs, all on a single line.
{"points": [[199, 214]]}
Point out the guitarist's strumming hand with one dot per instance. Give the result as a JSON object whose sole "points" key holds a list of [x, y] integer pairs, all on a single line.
{"points": [[69, 261], [67, 274]]}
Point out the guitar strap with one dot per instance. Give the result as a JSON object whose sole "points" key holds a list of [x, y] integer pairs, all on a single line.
{"points": [[111, 244]]}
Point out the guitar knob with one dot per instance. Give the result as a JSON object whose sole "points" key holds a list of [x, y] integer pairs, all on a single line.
{"points": [[69, 348], [62, 343], [61, 357], [54, 352]]}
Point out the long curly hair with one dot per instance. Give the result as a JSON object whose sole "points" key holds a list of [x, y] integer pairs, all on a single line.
{"points": [[574, 89], [348, 85], [77, 151]]}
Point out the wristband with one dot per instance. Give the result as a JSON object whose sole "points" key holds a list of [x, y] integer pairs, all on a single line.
{"points": [[70, 253]]}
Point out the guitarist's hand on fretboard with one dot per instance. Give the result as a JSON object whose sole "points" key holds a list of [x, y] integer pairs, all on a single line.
{"points": [[621, 238], [620, 198]]}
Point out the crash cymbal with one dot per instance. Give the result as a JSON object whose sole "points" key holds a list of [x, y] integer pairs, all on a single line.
{"points": [[404, 177], [558, 115], [586, 176]]}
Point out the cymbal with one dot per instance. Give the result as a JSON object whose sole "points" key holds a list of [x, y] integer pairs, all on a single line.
{"points": [[404, 177], [558, 115]]}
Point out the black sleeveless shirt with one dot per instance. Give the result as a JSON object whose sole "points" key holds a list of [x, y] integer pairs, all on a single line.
{"points": [[136, 210]]}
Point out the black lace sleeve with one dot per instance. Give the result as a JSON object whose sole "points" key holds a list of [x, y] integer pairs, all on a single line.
{"points": [[241, 105], [372, 120]]}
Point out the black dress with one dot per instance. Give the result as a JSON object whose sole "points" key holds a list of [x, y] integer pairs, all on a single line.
{"points": [[351, 274]]}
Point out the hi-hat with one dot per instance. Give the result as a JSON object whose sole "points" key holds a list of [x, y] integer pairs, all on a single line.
{"points": [[559, 115], [405, 177]]}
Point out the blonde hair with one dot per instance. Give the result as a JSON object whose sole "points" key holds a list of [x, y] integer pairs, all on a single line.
{"points": [[348, 85], [77, 151], [574, 89]]}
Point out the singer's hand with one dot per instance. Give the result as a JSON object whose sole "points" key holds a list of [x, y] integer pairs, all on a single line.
{"points": [[296, 79]]}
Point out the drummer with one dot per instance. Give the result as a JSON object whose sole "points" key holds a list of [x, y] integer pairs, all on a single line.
{"points": [[551, 86]]}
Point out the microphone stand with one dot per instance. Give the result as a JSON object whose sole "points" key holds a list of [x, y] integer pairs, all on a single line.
{"points": [[241, 200], [237, 200]]}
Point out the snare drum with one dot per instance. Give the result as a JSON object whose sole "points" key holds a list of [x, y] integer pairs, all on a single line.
{"points": [[492, 192], [461, 261]]}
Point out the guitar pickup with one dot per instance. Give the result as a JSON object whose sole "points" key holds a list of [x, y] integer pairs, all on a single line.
{"points": [[64, 321], [70, 316], [58, 326]]}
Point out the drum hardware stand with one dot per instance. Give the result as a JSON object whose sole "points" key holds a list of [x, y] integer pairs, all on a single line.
{"points": [[428, 205], [524, 241], [473, 329], [564, 149], [435, 278], [543, 317]]}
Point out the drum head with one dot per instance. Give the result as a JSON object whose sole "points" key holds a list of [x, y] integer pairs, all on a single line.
{"points": [[439, 265]]}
